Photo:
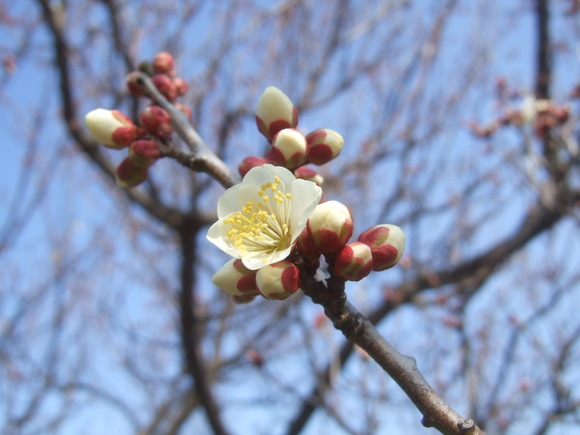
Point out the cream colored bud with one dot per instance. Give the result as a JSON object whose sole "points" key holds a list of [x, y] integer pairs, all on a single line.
{"points": [[330, 226], [111, 128], [275, 112], [278, 280]]}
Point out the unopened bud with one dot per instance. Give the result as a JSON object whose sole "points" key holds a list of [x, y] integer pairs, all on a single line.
{"points": [[387, 243], [236, 279], [129, 174], [165, 85], [132, 84], [306, 173], [181, 86], [250, 163], [111, 128], [353, 262], [330, 226], [288, 148], [323, 145], [306, 246], [144, 152], [184, 109], [163, 63], [275, 112], [278, 280], [156, 121]]}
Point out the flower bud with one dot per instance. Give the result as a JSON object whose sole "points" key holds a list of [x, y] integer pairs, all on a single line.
{"points": [[165, 85], [236, 279], [245, 299], [387, 243], [288, 148], [134, 88], [144, 152], [111, 128], [184, 109], [156, 121], [181, 86], [278, 280], [250, 163], [330, 226], [129, 174], [306, 173], [353, 262], [275, 112], [323, 145], [306, 246], [163, 63]]}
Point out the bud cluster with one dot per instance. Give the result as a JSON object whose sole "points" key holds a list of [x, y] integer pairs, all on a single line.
{"points": [[115, 130], [543, 115], [277, 119], [328, 232]]}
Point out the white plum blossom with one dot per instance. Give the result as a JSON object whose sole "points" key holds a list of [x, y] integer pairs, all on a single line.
{"points": [[260, 218]]}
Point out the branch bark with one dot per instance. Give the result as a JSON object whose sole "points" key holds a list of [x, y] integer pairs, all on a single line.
{"points": [[361, 332]]}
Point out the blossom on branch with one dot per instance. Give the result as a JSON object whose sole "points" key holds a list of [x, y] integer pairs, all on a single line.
{"points": [[260, 218]]}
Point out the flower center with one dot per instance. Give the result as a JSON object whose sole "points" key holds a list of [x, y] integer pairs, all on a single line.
{"points": [[261, 226]]}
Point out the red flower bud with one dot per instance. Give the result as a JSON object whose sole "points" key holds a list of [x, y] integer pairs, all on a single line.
{"points": [[165, 85], [323, 145], [306, 173], [181, 86], [387, 243], [134, 88], [144, 152], [128, 174], [249, 163], [353, 262], [156, 121], [163, 63]]}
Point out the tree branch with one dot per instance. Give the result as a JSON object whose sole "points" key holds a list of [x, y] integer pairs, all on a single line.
{"points": [[200, 158], [360, 331]]}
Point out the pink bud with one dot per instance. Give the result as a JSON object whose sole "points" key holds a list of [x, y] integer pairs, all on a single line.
{"points": [[163, 63], [131, 81], [306, 173], [236, 279], [330, 226], [128, 174], [288, 148], [111, 128], [250, 163], [353, 262], [275, 112], [165, 85], [156, 121], [278, 280], [387, 243], [306, 246], [323, 145], [181, 86], [144, 152], [185, 109]]}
